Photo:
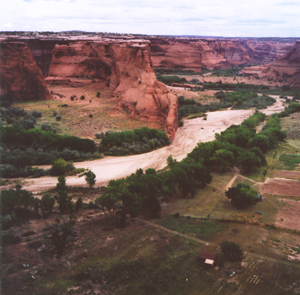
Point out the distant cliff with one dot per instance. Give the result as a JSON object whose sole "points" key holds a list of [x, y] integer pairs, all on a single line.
{"points": [[21, 78], [287, 67]]}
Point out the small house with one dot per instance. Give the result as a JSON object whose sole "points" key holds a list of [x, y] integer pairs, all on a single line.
{"points": [[208, 258]]}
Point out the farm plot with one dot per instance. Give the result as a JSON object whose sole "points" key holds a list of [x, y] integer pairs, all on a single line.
{"points": [[279, 186]]}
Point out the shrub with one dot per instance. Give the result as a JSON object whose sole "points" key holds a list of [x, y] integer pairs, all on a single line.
{"points": [[47, 204], [10, 237], [58, 118], [46, 127], [232, 251], [90, 178], [60, 233], [54, 112], [82, 97], [78, 204], [98, 94], [36, 114], [60, 167]]}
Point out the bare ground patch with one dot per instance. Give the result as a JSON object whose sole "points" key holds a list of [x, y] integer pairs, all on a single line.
{"points": [[277, 186], [289, 216], [287, 174]]}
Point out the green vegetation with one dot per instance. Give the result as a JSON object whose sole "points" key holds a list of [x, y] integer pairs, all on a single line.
{"points": [[171, 79], [232, 251], [164, 71], [242, 195], [201, 229], [59, 233], [133, 142], [245, 99], [89, 178], [290, 161]]}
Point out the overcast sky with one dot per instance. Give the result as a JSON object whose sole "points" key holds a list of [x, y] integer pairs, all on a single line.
{"points": [[229, 18]]}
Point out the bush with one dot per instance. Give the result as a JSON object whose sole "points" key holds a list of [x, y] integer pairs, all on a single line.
{"points": [[60, 233], [54, 112], [232, 251], [58, 118], [10, 237], [47, 204], [46, 127], [36, 114], [82, 97], [60, 167]]}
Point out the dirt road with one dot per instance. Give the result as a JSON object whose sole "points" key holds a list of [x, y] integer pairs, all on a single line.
{"points": [[186, 138]]}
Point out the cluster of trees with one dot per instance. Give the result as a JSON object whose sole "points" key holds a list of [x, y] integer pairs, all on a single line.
{"points": [[164, 71], [239, 146], [238, 86], [19, 117], [189, 106], [140, 192], [133, 142], [171, 79], [245, 99], [18, 204], [23, 148]]}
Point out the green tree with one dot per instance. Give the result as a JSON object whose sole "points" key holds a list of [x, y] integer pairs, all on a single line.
{"points": [[62, 198], [242, 195], [47, 204], [223, 160], [60, 232], [90, 178], [232, 251]]}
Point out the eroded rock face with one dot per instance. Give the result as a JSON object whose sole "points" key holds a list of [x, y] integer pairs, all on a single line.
{"points": [[196, 53], [21, 78], [287, 67], [127, 69]]}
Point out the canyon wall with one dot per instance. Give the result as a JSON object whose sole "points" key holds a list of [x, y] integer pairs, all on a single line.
{"points": [[287, 67], [126, 68], [21, 78]]}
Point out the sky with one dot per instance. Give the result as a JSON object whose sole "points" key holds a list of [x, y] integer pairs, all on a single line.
{"points": [[227, 18]]}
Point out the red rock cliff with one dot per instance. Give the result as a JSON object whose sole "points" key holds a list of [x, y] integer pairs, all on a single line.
{"points": [[127, 67], [197, 53], [288, 66], [20, 75]]}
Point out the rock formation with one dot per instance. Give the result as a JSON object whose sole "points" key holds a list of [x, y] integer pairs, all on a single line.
{"points": [[21, 78], [287, 67], [196, 53], [127, 69]]}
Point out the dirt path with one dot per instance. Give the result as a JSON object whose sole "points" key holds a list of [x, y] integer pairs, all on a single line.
{"points": [[251, 254], [186, 138]]}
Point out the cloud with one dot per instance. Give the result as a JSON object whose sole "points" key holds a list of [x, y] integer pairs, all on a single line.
{"points": [[7, 25], [168, 17]]}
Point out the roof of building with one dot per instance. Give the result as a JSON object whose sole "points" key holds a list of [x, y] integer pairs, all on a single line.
{"points": [[208, 255]]}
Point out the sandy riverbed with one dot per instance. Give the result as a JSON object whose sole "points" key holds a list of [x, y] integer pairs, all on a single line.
{"points": [[187, 137]]}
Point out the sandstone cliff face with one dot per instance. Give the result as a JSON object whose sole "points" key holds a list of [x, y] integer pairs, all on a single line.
{"points": [[287, 67], [21, 78], [127, 68], [196, 53]]}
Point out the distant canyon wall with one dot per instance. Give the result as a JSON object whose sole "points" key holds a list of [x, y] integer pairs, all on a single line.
{"points": [[287, 67], [213, 53]]}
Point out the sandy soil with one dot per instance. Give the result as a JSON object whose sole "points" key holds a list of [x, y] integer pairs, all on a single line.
{"points": [[289, 216], [186, 138]]}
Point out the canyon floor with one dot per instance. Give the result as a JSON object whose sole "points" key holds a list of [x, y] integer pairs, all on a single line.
{"points": [[187, 137]]}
